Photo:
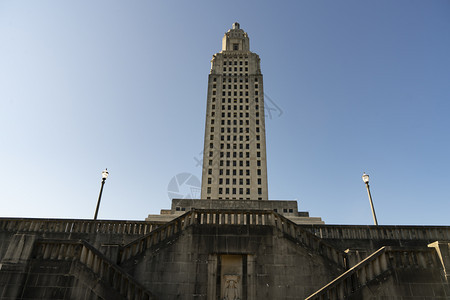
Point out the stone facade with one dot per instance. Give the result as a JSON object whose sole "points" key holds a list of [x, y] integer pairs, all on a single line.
{"points": [[288, 209], [234, 154], [221, 254]]}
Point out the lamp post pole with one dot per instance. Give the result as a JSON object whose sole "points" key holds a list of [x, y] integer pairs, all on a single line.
{"points": [[104, 176], [365, 178]]}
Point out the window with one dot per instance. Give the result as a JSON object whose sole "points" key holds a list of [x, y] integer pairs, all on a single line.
{"points": [[235, 46], [209, 180], [259, 180], [259, 191], [220, 180], [210, 171], [208, 190], [220, 190]]}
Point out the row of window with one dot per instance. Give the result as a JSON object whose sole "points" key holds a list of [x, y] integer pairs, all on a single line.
{"points": [[233, 191], [235, 107], [235, 63], [235, 93], [235, 79], [235, 100], [234, 181], [233, 172], [228, 146], [235, 115], [241, 122], [235, 129], [224, 87], [235, 153], [228, 163], [230, 69]]}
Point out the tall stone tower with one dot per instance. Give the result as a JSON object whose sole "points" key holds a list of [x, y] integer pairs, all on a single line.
{"points": [[234, 156]]}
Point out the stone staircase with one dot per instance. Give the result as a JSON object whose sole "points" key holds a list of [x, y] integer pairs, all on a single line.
{"points": [[105, 270], [291, 230], [373, 270]]}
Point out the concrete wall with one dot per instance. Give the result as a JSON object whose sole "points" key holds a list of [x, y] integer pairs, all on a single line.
{"points": [[206, 254], [276, 267]]}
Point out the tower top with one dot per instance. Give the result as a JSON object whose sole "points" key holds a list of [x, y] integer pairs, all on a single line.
{"points": [[235, 39]]}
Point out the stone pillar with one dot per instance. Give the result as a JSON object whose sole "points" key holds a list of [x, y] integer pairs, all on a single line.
{"points": [[212, 277], [13, 267]]}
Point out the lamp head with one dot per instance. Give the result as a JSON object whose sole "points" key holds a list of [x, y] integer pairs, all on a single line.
{"points": [[365, 178], [105, 174]]}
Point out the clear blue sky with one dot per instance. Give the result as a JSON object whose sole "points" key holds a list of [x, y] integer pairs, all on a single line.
{"points": [[357, 86]]}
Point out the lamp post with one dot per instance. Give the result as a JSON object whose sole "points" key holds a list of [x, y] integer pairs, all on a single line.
{"points": [[104, 176], [365, 178]]}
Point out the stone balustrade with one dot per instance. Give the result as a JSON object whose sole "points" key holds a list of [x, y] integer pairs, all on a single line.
{"points": [[94, 260], [76, 226], [382, 232], [232, 217], [373, 266], [355, 277]]}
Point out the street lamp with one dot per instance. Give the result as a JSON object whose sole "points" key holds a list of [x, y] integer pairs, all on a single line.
{"points": [[104, 176], [365, 178]]}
